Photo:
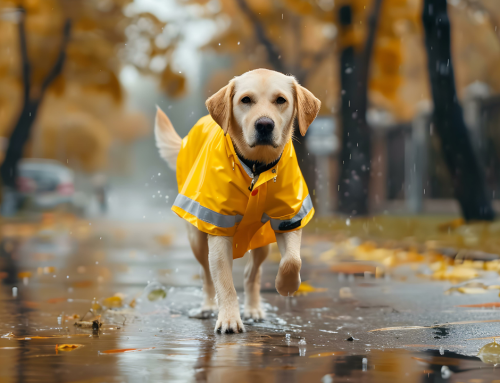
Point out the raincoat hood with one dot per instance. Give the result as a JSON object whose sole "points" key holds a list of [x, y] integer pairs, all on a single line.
{"points": [[220, 195]]}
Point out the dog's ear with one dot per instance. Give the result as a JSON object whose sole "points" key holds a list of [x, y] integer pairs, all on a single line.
{"points": [[307, 107], [220, 106]]}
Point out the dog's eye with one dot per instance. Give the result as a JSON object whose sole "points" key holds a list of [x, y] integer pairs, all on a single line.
{"points": [[280, 100], [246, 100]]}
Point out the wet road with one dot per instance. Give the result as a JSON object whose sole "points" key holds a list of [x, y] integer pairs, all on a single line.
{"points": [[61, 268]]}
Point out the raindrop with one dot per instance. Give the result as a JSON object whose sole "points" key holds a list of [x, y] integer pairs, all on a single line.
{"points": [[445, 372], [302, 347]]}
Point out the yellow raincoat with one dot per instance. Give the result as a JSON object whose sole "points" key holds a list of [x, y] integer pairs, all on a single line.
{"points": [[214, 191]]}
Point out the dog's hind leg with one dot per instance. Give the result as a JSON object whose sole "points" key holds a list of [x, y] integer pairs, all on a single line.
{"points": [[199, 245], [253, 270]]}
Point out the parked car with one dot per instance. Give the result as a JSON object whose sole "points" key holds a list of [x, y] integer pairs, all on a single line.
{"points": [[45, 184]]}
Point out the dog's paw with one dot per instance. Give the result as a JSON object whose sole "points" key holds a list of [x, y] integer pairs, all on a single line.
{"points": [[255, 313], [229, 323], [288, 278], [201, 313]]}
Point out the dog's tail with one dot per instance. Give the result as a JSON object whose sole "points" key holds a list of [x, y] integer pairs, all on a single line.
{"points": [[168, 141]]}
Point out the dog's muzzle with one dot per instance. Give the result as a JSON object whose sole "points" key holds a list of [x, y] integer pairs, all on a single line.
{"points": [[264, 127]]}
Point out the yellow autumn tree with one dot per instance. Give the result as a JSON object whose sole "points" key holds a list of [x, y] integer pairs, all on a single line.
{"points": [[59, 65]]}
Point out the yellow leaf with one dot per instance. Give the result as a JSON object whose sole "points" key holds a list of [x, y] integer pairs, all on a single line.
{"points": [[24, 274], [305, 288], [113, 302], [67, 347]]}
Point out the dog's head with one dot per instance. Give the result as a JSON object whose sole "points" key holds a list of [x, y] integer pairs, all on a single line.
{"points": [[259, 108]]}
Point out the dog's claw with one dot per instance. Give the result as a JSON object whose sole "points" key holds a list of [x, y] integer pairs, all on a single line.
{"points": [[255, 313], [229, 324]]}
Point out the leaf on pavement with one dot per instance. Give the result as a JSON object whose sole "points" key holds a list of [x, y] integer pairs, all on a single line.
{"points": [[113, 302], [123, 350], [481, 305], [434, 326], [305, 288], [67, 347]]}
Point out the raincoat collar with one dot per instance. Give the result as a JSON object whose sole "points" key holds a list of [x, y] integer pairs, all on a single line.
{"points": [[263, 177]]}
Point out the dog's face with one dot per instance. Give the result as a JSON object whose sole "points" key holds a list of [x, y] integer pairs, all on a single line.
{"points": [[258, 110]]}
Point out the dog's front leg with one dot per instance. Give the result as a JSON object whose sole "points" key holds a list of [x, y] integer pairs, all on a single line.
{"points": [[288, 278], [220, 257]]}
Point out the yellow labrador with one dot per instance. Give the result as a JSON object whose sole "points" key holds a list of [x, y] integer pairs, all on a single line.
{"points": [[258, 110]]}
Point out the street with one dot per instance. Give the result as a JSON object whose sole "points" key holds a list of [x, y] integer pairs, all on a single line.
{"points": [[63, 270]]}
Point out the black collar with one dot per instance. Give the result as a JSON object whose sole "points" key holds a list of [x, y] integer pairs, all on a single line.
{"points": [[255, 166]]}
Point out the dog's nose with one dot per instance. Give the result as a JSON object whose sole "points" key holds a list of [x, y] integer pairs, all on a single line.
{"points": [[264, 125]]}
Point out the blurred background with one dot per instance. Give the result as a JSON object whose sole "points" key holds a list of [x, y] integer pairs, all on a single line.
{"points": [[409, 92]]}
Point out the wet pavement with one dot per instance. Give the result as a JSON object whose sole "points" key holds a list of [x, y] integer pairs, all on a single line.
{"points": [[55, 271]]}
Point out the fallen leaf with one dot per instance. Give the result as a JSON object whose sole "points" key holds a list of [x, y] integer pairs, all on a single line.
{"points": [[480, 305], [113, 302], [24, 274], [456, 273], [123, 350], [353, 268], [305, 288], [434, 326], [157, 294], [451, 225], [67, 347], [324, 354]]}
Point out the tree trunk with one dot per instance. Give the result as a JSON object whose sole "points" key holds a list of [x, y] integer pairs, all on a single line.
{"points": [[468, 179], [21, 132], [355, 156]]}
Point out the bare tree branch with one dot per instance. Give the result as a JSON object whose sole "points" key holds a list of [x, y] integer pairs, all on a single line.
{"points": [[61, 58], [364, 67], [23, 48], [272, 50]]}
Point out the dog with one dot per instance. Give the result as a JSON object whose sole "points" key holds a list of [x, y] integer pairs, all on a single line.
{"points": [[240, 188]]}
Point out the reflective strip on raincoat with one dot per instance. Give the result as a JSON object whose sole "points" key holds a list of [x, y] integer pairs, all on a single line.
{"points": [[214, 191]]}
